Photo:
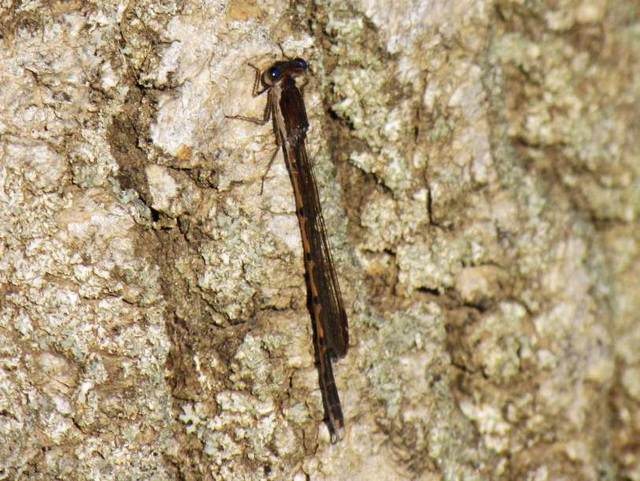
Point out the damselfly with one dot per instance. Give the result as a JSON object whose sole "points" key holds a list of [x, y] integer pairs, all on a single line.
{"points": [[285, 106]]}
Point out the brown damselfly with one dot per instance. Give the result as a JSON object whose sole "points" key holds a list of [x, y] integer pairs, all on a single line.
{"points": [[285, 106]]}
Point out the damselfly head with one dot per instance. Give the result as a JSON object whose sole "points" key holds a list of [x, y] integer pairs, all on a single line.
{"points": [[287, 68]]}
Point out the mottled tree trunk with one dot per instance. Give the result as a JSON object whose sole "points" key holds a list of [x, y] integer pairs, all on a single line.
{"points": [[479, 168]]}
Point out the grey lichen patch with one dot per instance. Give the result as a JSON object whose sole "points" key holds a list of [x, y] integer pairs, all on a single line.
{"points": [[366, 108], [388, 221], [82, 332], [480, 285], [432, 263], [237, 265], [500, 342], [567, 91], [81, 314], [494, 236], [365, 94], [91, 162], [247, 423], [413, 364]]}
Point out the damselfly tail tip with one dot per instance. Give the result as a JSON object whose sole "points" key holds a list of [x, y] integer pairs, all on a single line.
{"points": [[337, 434]]}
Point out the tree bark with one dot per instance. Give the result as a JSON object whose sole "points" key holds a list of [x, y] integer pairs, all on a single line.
{"points": [[479, 166]]}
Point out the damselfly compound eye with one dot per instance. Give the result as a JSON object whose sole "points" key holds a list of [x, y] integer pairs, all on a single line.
{"points": [[302, 62], [274, 73]]}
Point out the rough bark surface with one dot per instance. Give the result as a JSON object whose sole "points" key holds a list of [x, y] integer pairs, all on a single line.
{"points": [[479, 167]]}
